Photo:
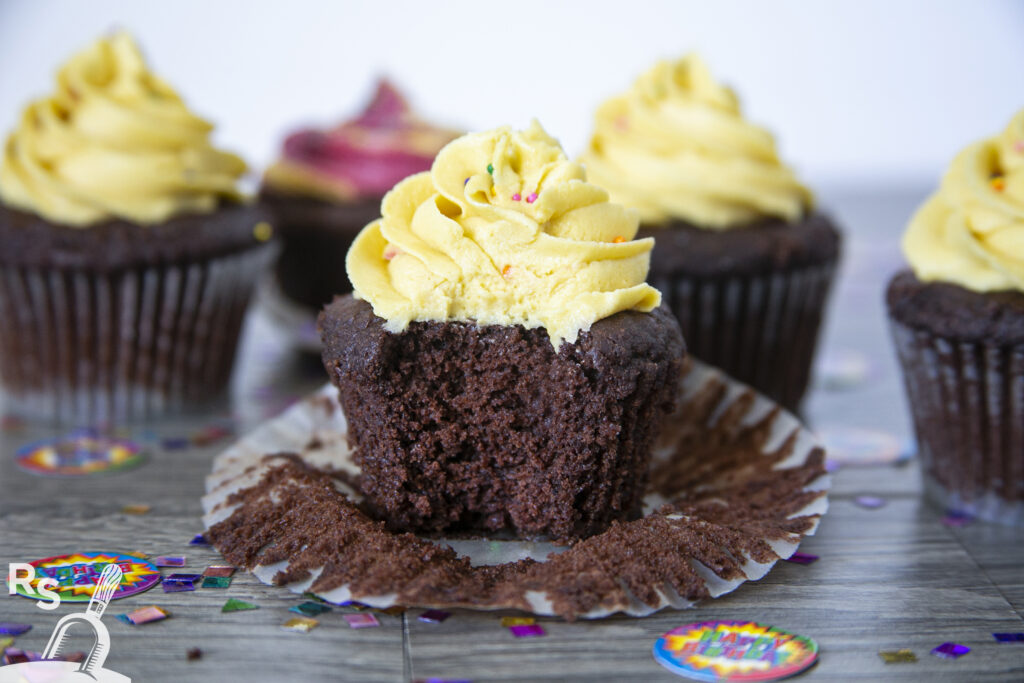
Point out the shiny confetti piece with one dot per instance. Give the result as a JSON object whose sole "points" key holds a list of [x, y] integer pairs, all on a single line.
{"points": [[210, 435], [393, 611], [179, 587], [199, 539], [897, 656], [527, 631], [144, 615], [139, 554], [216, 582], [10, 628], [434, 616], [169, 561], [182, 578], [364, 620], [300, 624], [233, 605], [802, 558], [951, 650], [1009, 637], [869, 502], [136, 509], [193, 653], [517, 621], [310, 609], [219, 570], [957, 519]]}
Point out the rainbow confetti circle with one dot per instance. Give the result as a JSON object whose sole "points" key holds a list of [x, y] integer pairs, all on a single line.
{"points": [[78, 453], [734, 651], [77, 574]]}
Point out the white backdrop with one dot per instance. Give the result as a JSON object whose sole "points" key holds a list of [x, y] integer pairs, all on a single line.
{"points": [[881, 91]]}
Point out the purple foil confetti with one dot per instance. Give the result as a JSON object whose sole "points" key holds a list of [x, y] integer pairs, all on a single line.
{"points": [[434, 616], [199, 539], [1009, 637], [182, 578], [869, 502], [956, 519], [802, 558], [951, 650], [10, 628], [529, 631], [178, 587], [169, 561]]}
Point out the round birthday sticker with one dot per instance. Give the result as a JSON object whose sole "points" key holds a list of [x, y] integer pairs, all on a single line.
{"points": [[734, 651], [77, 454], [77, 575]]}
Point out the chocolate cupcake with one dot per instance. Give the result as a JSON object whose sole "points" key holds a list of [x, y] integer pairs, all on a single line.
{"points": [[129, 255], [328, 185], [742, 258], [957, 319], [501, 363]]}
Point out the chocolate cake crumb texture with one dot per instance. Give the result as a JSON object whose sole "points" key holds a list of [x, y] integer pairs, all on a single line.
{"points": [[727, 502]]}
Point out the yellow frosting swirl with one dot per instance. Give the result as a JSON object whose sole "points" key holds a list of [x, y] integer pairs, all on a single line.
{"points": [[676, 146], [503, 230], [971, 231], [113, 141]]}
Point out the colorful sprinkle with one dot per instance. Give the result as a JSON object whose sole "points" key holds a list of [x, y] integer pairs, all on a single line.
{"points": [[169, 561], [869, 502], [136, 509], [527, 631], [144, 615], [233, 605], [516, 197], [903, 656], [619, 239], [494, 191], [310, 609], [216, 581], [1019, 146], [300, 624], [517, 621], [434, 616], [1009, 637], [802, 558], [220, 570], [391, 252], [362, 620], [466, 181], [490, 168], [262, 231], [505, 271], [951, 650], [532, 198], [998, 183], [10, 628]]}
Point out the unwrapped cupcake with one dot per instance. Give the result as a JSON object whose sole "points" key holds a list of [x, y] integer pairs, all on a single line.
{"points": [[129, 255], [502, 363], [327, 185], [742, 258], [957, 319]]}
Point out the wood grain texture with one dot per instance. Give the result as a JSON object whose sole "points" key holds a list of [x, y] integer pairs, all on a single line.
{"points": [[889, 578]]}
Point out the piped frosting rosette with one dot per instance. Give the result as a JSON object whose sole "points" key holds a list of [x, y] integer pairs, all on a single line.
{"points": [[504, 230], [676, 146], [114, 141], [971, 231]]}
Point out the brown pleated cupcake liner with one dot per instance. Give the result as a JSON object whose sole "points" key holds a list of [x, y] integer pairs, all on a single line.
{"points": [[735, 484], [90, 348], [967, 404], [761, 329]]}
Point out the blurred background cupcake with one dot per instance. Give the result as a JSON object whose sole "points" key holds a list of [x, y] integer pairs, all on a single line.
{"points": [[328, 185], [741, 256], [129, 254], [957, 319]]}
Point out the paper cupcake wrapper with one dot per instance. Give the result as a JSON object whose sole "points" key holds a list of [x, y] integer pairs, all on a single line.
{"points": [[93, 347], [967, 403], [761, 330], [736, 483]]}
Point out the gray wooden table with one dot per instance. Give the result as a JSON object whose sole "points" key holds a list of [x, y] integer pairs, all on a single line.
{"points": [[888, 578]]}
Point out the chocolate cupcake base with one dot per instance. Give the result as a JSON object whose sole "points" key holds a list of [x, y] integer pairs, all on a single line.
{"points": [[962, 355], [88, 347], [735, 484]]}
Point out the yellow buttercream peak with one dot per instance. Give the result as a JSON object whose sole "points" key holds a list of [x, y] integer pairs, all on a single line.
{"points": [[971, 231], [676, 146], [113, 141], [503, 230]]}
